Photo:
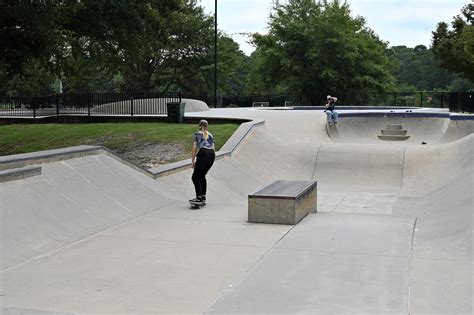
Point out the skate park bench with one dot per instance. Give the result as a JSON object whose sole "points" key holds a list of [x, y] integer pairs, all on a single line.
{"points": [[283, 202]]}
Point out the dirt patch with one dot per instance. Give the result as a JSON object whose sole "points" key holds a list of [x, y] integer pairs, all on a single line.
{"points": [[154, 154], [146, 155]]}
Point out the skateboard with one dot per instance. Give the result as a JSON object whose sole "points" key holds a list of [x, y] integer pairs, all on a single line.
{"points": [[197, 205]]}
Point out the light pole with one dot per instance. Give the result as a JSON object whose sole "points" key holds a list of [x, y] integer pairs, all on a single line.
{"points": [[215, 54]]}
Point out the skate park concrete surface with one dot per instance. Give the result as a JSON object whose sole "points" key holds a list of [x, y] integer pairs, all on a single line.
{"points": [[393, 231]]}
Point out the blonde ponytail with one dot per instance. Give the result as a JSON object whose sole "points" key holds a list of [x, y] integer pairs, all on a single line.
{"points": [[203, 124]]}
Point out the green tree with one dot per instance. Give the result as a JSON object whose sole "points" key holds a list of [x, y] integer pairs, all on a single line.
{"points": [[29, 42], [417, 70], [105, 38], [28, 30], [232, 68], [33, 80], [454, 48], [95, 35], [150, 45], [257, 82], [315, 48], [173, 44], [44, 40]]}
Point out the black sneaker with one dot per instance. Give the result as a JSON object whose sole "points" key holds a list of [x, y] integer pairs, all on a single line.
{"points": [[195, 200], [203, 199]]}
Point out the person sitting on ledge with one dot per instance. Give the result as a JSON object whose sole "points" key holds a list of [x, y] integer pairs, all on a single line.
{"points": [[330, 110]]}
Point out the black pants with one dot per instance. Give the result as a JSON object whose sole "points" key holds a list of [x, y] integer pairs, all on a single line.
{"points": [[204, 160]]}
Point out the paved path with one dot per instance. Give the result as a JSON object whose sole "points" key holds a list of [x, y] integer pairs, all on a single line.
{"points": [[393, 232]]}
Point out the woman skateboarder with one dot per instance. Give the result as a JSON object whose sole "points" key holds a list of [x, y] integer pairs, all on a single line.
{"points": [[202, 158]]}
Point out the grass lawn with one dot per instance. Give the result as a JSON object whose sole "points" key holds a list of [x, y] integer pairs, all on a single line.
{"points": [[118, 137]]}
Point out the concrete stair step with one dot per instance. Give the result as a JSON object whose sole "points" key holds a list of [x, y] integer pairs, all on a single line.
{"points": [[393, 137], [19, 173], [394, 127], [394, 132]]}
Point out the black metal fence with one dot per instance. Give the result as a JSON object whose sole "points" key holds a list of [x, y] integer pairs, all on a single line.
{"points": [[455, 101], [98, 104], [130, 104], [251, 101]]}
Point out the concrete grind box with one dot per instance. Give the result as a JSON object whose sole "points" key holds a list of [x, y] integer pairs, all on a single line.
{"points": [[283, 202]]}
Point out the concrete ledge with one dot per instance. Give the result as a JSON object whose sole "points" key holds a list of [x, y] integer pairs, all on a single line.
{"points": [[240, 134], [226, 151], [461, 116], [19, 173], [22, 160], [394, 132], [354, 107], [396, 114], [393, 137], [283, 202]]}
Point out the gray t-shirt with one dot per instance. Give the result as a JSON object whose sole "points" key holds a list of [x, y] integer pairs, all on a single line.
{"points": [[198, 137]]}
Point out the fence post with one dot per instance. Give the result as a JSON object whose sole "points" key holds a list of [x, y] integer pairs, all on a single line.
{"points": [[459, 100], [442, 99], [421, 98], [131, 105], [471, 103], [34, 107], [88, 104], [395, 98], [57, 104]]}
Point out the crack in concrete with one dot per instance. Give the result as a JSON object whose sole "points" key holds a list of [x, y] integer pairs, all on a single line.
{"points": [[410, 266]]}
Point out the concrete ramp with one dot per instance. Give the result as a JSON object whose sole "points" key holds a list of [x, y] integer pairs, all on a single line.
{"points": [[420, 128], [93, 235], [458, 128], [442, 255], [393, 232], [427, 168], [71, 200], [360, 167]]}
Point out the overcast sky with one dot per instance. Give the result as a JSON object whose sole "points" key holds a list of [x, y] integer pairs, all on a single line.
{"points": [[400, 22]]}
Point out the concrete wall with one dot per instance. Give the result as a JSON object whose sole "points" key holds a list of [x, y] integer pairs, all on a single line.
{"points": [[420, 128]]}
